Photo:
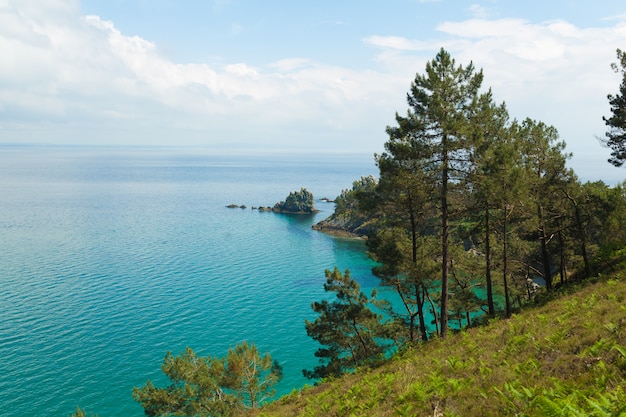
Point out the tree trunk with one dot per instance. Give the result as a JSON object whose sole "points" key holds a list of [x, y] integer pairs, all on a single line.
{"points": [[444, 239], [492, 310], [410, 312], [420, 313], [418, 298], [543, 240], [582, 236], [583, 242], [433, 309], [505, 261], [363, 344], [563, 266]]}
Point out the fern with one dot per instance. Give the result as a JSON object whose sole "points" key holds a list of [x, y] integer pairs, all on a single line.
{"points": [[620, 349], [548, 408]]}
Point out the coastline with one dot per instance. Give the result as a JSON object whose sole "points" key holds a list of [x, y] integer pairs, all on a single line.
{"points": [[328, 228]]}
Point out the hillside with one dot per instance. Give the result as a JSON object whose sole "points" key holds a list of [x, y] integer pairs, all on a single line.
{"points": [[566, 357]]}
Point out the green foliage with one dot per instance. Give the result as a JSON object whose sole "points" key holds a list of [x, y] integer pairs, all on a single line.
{"points": [[560, 400], [250, 375], [616, 134], [609, 206], [349, 331], [429, 146], [81, 413], [566, 358], [207, 386], [351, 213], [408, 267], [297, 202], [347, 202]]}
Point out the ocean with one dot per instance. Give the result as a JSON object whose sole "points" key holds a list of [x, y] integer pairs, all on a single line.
{"points": [[111, 257]]}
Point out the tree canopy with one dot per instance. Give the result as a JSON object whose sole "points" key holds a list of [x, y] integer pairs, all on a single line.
{"points": [[347, 328], [616, 123], [473, 210], [211, 386]]}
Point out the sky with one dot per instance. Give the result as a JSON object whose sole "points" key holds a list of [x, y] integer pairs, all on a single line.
{"points": [[296, 75]]}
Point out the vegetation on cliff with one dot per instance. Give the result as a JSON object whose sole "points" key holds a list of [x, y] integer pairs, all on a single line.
{"points": [[297, 202], [473, 210], [349, 219], [349, 330], [565, 357], [209, 386]]}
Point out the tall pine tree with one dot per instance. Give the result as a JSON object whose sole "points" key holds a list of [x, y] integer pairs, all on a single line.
{"points": [[436, 128], [616, 135]]}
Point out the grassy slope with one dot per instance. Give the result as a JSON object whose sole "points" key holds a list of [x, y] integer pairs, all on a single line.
{"points": [[567, 355]]}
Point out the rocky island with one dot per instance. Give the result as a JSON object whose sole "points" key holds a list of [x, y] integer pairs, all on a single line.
{"points": [[297, 202]]}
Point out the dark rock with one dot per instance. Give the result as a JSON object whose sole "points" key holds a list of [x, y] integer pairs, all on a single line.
{"points": [[297, 202]]}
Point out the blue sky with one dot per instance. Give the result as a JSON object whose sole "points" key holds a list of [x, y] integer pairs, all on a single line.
{"points": [[294, 76]]}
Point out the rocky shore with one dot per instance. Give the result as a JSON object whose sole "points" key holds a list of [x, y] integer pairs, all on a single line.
{"points": [[344, 227]]}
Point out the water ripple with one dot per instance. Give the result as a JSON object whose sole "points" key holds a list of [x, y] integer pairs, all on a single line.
{"points": [[109, 263]]}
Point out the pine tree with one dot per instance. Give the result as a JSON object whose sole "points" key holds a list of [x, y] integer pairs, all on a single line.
{"points": [[616, 135], [208, 386], [544, 161], [490, 162], [347, 328], [436, 129], [407, 265]]}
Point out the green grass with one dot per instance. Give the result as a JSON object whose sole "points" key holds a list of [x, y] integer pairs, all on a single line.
{"points": [[566, 357]]}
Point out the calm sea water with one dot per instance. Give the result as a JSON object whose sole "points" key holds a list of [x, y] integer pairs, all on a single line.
{"points": [[110, 258]]}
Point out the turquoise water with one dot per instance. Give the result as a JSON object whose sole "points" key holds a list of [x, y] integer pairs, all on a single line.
{"points": [[110, 258]]}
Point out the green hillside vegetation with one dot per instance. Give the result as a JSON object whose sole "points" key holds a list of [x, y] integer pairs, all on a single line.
{"points": [[566, 357]]}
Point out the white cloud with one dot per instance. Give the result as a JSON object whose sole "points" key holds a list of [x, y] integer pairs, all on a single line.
{"points": [[82, 74], [397, 42], [75, 70], [291, 64], [552, 71], [619, 17], [478, 11]]}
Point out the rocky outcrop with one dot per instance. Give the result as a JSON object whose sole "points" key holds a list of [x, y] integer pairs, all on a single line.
{"points": [[349, 219], [297, 202], [345, 227]]}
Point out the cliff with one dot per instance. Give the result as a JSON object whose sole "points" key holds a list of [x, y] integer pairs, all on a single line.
{"points": [[346, 225], [349, 218]]}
